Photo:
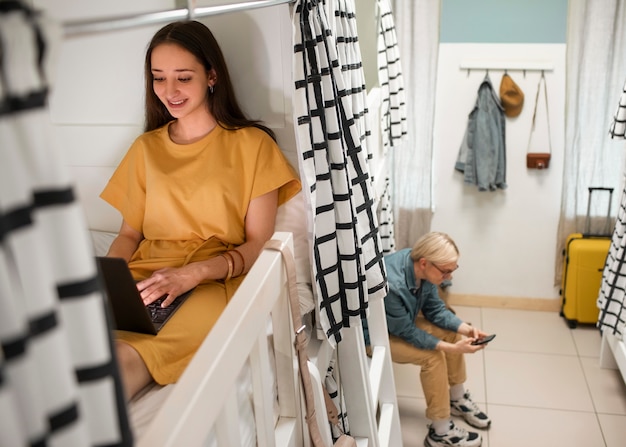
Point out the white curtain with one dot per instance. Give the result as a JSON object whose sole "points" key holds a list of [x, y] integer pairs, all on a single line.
{"points": [[59, 384], [596, 45], [347, 256], [417, 30]]}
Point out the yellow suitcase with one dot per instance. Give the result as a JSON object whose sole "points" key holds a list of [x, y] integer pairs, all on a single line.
{"points": [[584, 258]]}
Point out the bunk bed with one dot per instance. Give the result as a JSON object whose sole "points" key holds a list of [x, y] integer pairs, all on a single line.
{"points": [[242, 387], [245, 362]]}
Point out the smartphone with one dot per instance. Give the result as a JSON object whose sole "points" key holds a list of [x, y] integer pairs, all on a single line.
{"points": [[482, 341]]}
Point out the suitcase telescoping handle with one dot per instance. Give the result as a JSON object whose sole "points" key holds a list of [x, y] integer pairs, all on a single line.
{"points": [[608, 214]]}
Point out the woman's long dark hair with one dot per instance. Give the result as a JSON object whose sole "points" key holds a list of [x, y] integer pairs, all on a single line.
{"points": [[198, 40]]}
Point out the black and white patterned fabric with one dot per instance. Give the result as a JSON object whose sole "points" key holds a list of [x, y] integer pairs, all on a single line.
{"points": [[331, 385], [618, 126], [349, 56], [612, 299], [390, 77], [347, 259], [613, 287], [385, 218], [59, 384], [393, 108]]}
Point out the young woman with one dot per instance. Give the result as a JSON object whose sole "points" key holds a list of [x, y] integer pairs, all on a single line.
{"points": [[198, 194]]}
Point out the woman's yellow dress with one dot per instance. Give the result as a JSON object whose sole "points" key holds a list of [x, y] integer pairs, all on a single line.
{"points": [[190, 202]]}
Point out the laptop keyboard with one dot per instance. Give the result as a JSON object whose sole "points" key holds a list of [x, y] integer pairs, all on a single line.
{"points": [[159, 314]]}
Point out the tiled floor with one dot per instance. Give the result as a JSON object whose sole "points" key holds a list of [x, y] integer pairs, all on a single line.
{"points": [[539, 381]]}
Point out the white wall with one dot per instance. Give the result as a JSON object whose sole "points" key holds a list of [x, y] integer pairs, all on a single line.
{"points": [[507, 238], [97, 98]]}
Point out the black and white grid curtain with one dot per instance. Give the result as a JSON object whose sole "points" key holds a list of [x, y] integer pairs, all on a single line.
{"points": [[347, 258], [59, 384], [393, 110], [612, 299], [349, 55], [618, 126], [390, 77], [385, 219]]}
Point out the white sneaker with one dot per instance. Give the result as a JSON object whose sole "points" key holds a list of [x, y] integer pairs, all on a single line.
{"points": [[468, 410], [455, 437]]}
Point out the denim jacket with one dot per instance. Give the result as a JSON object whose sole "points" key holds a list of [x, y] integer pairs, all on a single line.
{"points": [[407, 296], [482, 155]]}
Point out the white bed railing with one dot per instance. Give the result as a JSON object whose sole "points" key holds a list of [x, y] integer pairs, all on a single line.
{"points": [[203, 399]]}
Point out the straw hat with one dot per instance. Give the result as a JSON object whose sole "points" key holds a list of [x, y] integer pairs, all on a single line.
{"points": [[511, 97]]}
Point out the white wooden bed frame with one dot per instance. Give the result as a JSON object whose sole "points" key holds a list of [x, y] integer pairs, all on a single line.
{"points": [[203, 399]]}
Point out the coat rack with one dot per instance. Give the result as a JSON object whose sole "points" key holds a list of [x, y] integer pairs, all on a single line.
{"points": [[505, 65]]}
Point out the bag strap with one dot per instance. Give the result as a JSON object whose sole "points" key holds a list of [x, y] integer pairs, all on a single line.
{"points": [[542, 79], [301, 340]]}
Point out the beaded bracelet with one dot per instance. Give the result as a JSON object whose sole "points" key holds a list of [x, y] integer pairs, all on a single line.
{"points": [[243, 260], [230, 261]]}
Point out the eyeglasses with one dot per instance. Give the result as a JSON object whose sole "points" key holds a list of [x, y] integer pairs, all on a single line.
{"points": [[444, 272]]}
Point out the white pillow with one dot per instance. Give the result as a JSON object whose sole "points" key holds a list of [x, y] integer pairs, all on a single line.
{"points": [[291, 217], [101, 241]]}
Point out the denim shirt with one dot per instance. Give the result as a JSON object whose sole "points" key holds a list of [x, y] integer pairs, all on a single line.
{"points": [[407, 297], [482, 155]]}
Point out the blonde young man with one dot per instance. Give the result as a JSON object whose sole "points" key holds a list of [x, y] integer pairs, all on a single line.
{"points": [[434, 338]]}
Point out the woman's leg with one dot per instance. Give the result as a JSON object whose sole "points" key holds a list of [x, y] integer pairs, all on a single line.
{"points": [[135, 375]]}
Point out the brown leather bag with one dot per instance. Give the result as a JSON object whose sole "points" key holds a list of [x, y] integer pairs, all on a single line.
{"points": [[539, 160]]}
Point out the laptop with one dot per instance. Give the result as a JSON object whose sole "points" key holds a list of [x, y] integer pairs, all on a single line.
{"points": [[129, 312]]}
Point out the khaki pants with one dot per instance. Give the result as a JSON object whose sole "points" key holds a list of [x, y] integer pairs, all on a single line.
{"points": [[439, 371]]}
